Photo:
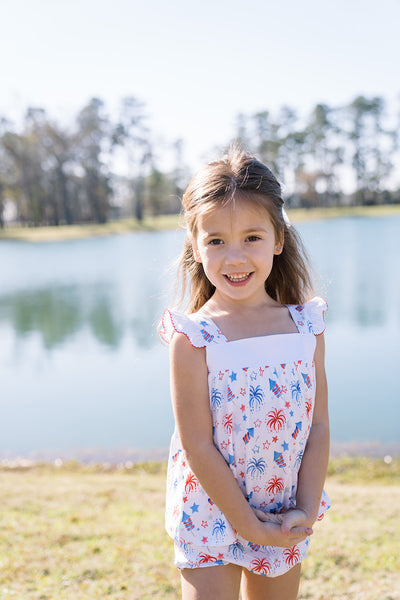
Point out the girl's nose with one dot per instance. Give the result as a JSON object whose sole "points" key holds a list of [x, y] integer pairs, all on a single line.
{"points": [[235, 256]]}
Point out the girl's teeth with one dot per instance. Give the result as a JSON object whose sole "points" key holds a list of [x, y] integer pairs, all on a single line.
{"points": [[238, 277]]}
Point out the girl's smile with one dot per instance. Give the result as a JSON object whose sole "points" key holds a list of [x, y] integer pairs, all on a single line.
{"points": [[236, 245], [238, 278]]}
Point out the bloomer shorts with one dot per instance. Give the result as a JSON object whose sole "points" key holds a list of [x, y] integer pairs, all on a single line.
{"points": [[269, 561]]}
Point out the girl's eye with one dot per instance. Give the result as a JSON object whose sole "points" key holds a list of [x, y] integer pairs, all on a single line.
{"points": [[253, 238], [215, 242]]}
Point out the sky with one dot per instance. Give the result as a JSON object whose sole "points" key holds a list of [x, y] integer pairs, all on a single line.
{"points": [[196, 66]]}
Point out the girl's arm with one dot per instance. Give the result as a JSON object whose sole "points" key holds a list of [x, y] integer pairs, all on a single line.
{"points": [[316, 455], [190, 399]]}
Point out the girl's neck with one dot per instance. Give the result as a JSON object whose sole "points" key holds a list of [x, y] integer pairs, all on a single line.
{"points": [[238, 321], [220, 305]]}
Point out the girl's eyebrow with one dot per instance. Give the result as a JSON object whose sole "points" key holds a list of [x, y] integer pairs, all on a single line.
{"points": [[212, 234], [247, 230], [255, 228]]}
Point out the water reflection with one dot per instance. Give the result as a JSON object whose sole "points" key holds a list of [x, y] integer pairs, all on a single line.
{"points": [[59, 313]]}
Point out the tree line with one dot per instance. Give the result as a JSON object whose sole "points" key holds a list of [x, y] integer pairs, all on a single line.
{"points": [[314, 158], [55, 174]]}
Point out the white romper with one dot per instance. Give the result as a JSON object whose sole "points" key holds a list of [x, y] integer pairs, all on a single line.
{"points": [[262, 392]]}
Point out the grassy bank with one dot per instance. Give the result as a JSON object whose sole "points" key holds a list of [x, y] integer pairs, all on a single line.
{"points": [[64, 232], [71, 232], [90, 532]]}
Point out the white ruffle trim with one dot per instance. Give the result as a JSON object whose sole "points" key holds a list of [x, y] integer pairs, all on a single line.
{"points": [[314, 312], [173, 321]]}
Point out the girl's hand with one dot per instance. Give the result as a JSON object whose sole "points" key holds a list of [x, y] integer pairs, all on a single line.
{"points": [[284, 530], [264, 517], [295, 517]]}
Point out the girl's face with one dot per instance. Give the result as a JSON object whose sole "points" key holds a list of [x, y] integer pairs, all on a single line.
{"points": [[236, 245]]}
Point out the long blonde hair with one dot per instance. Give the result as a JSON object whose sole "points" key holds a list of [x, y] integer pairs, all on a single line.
{"points": [[235, 176]]}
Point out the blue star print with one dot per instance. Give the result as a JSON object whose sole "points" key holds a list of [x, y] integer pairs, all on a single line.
{"points": [[232, 376], [285, 446], [195, 507]]}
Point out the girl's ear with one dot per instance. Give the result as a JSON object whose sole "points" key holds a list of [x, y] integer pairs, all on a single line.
{"points": [[279, 243], [196, 252]]}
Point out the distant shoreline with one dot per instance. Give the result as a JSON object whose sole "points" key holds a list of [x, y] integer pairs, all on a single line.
{"points": [[135, 455], [163, 222]]}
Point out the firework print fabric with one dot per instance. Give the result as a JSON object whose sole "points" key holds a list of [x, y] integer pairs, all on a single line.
{"points": [[262, 393], [270, 561]]}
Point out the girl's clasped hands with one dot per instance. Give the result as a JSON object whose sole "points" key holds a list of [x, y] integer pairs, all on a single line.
{"points": [[283, 529]]}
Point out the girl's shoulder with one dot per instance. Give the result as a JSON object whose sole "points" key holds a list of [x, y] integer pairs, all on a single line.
{"points": [[310, 316], [198, 328]]}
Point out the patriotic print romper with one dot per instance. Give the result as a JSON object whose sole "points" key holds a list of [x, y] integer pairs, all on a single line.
{"points": [[262, 394]]}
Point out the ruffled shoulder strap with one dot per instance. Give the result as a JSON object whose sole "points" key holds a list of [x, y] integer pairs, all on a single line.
{"points": [[309, 317], [199, 330]]}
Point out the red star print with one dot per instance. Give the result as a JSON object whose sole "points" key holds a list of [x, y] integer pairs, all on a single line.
{"points": [[204, 524], [204, 540], [243, 391], [261, 371], [275, 439], [257, 423], [221, 375], [185, 498], [287, 404], [257, 489], [241, 461], [323, 503], [284, 389], [263, 505], [266, 445], [241, 474], [224, 445], [242, 407], [220, 556]]}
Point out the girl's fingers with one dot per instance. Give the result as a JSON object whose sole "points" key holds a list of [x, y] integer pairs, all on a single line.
{"points": [[302, 532], [260, 514], [271, 517]]}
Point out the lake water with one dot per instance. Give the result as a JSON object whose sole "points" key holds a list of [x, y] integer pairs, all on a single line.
{"points": [[83, 373]]}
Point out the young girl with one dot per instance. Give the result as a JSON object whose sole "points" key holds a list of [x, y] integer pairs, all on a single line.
{"points": [[249, 454]]}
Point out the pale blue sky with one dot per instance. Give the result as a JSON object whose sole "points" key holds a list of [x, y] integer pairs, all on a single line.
{"points": [[196, 66]]}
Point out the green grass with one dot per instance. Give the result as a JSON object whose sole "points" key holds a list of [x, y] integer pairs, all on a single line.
{"points": [[77, 532], [67, 232]]}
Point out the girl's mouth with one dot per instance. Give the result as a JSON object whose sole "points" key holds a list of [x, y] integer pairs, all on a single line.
{"points": [[238, 278]]}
